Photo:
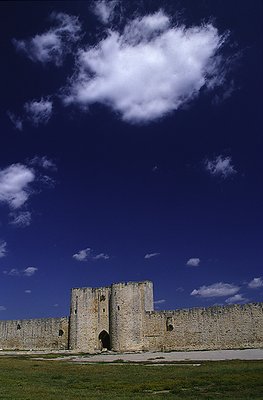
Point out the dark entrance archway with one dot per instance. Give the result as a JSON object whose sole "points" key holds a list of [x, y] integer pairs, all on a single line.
{"points": [[104, 338]]}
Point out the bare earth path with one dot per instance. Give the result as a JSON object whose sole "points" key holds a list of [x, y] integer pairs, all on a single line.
{"points": [[153, 357]]}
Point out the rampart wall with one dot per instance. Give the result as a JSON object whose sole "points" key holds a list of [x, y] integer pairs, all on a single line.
{"points": [[228, 327], [37, 334]]}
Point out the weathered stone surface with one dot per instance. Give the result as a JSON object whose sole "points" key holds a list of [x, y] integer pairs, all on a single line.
{"points": [[121, 317], [44, 333]]}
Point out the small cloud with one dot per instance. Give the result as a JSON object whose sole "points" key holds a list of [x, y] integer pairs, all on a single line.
{"points": [[82, 255], [220, 166], [159, 301], [87, 254], [256, 283], [155, 168], [20, 219], [52, 46], [12, 272], [219, 289], [15, 183], [55, 305], [39, 112], [27, 291], [3, 249], [43, 162], [179, 289], [193, 262], [29, 271], [237, 298], [151, 255], [2, 308], [16, 121], [101, 256], [104, 10]]}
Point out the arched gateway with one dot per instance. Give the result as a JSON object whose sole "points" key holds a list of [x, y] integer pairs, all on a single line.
{"points": [[104, 339]]}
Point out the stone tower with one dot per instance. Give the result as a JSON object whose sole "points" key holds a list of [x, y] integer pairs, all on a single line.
{"points": [[128, 304], [109, 317]]}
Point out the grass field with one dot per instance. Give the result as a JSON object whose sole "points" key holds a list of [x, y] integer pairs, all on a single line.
{"points": [[24, 378]]}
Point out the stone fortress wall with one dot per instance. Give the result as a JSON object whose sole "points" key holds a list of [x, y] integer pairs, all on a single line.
{"points": [[121, 317], [43, 333]]}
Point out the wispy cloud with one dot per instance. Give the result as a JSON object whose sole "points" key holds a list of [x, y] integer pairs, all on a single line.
{"points": [[236, 299], [29, 271], [28, 291], [20, 219], [43, 162], [219, 289], [15, 183], [220, 166], [16, 120], [170, 62], [161, 301], [87, 254], [39, 112], [3, 249], [193, 262], [256, 283], [151, 255], [53, 45], [104, 10], [2, 308]]}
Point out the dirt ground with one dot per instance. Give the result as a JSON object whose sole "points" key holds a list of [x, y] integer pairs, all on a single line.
{"points": [[152, 357]]}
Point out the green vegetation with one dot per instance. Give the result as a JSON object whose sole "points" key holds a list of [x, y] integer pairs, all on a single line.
{"points": [[25, 378]]}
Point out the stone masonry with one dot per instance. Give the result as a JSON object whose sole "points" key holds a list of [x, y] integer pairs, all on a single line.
{"points": [[121, 318]]}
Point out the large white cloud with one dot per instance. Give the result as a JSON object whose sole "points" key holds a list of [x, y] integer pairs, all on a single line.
{"points": [[15, 183], [53, 45], [149, 69], [219, 289]]}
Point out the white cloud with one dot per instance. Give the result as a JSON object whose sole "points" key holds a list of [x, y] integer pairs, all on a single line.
{"points": [[12, 272], [53, 45], [14, 185], [3, 249], [149, 70], [216, 290], [16, 121], [220, 166], [159, 301], [256, 283], [39, 112], [82, 255], [29, 271], [43, 162], [104, 10], [237, 298], [2, 308], [20, 219], [193, 262], [151, 255], [87, 254], [27, 291], [101, 256]]}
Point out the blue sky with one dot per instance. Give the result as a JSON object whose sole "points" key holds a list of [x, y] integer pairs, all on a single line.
{"points": [[131, 149]]}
